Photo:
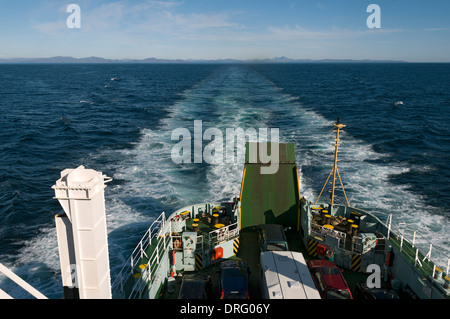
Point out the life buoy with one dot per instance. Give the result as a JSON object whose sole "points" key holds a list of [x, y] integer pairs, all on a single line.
{"points": [[329, 253]]}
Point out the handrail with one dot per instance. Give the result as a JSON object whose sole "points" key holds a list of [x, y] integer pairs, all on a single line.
{"points": [[138, 253], [223, 234], [439, 257], [400, 229], [22, 283], [149, 271], [341, 236]]}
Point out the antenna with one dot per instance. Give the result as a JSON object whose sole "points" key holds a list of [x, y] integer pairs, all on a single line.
{"points": [[334, 170]]}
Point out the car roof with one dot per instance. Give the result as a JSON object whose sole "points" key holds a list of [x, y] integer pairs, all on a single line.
{"points": [[234, 279], [233, 264], [196, 277], [330, 273], [274, 231], [320, 263], [192, 286]]}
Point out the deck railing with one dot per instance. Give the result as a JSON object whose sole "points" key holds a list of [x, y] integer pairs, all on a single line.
{"points": [[415, 246], [138, 254], [19, 281], [419, 249], [223, 234], [149, 271]]}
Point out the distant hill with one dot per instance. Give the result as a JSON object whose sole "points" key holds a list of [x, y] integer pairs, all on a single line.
{"points": [[66, 59]]}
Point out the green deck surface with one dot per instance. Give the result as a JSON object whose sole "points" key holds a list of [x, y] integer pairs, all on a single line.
{"points": [[271, 198]]}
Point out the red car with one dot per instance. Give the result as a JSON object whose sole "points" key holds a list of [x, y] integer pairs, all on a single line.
{"points": [[329, 280]]}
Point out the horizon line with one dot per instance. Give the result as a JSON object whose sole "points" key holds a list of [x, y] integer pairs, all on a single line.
{"points": [[154, 60], [96, 59]]}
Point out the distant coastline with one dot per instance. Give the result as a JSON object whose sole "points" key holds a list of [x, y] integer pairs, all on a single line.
{"points": [[98, 60]]}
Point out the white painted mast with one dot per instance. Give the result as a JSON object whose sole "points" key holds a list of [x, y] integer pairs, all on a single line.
{"points": [[338, 126], [82, 234]]}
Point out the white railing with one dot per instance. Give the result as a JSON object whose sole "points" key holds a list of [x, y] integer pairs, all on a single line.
{"points": [[223, 234], [320, 232], [418, 244], [22, 283], [138, 253], [149, 272]]}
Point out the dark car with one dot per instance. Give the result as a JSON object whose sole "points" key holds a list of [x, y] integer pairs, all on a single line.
{"points": [[271, 237], [364, 292], [233, 283], [195, 286], [329, 280]]}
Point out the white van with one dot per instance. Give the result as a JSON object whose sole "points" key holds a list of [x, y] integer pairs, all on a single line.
{"points": [[286, 276]]}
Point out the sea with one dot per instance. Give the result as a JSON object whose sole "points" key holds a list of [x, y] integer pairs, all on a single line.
{"points": [[122, 119]]}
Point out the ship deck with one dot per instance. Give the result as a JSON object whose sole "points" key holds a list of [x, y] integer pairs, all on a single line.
{"points": [[264, 199], [249, 252]]}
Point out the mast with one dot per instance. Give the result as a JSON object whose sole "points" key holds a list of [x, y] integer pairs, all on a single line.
{"points": [[334, 170]]}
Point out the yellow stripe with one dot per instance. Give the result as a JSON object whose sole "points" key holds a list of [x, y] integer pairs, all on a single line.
{"points": [[236, 246], [198, 261], [240, 196], [298, 206], [356, 263], [312, 247]]}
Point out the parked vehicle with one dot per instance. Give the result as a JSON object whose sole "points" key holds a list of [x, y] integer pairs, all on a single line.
{"points": [[271, 237], [329, 280], [195, 286], [284, 275], [233, 283], [364, 292]]}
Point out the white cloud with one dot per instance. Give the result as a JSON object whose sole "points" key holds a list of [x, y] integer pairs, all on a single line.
{"points": [[51, 28], [436, 29], [288, 33]]}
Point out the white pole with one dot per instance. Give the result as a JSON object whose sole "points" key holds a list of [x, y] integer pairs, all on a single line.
{"points": [[448, 266], [4, 295], [417, 259], [428, 256], [389, 226], [22, 283]]}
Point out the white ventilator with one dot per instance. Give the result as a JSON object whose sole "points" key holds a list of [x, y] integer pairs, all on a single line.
{"points": [[82, 234]]}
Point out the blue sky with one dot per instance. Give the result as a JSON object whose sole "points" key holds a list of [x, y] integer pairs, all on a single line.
{"points": [[416, 31]]}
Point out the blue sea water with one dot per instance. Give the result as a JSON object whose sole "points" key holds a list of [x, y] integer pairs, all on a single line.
{"points": [[118, 119]]}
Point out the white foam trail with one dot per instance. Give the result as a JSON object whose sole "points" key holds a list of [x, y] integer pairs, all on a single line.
{"points": [[151, 168]]}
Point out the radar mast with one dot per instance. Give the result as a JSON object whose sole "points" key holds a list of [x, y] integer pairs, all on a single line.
{"points": [[334, 170]]}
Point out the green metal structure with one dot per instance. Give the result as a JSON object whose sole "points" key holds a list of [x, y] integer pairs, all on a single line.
{"points": [[270, 198]]}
